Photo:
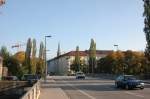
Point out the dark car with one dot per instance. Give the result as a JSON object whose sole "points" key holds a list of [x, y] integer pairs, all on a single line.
{"points": [[10, 78], [128, 82], [30, 78]]}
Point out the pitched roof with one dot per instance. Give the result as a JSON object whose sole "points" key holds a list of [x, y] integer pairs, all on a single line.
{"points": [[84, 53]]}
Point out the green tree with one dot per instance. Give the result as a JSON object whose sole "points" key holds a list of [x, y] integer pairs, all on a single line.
{"points": [[58, 50], [76, 64], [14, 67], [9, 61], [28, 56], [92, 56], [34, 56], [5, 54], [40, 62], [147, 28]]}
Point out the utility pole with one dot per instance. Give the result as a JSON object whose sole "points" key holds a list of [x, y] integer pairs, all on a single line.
{"points": [[46, 57]]}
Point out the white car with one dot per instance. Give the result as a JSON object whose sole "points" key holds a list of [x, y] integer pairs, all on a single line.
{"points": [[80, 75]]}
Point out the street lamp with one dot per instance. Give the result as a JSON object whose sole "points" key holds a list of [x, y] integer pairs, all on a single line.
{"points": [[116, 47], [45, 57]]}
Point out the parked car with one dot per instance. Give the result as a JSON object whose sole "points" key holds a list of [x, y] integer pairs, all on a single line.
{"points": [[30, 78], [128, 82], [13, 78], [80, 75]]}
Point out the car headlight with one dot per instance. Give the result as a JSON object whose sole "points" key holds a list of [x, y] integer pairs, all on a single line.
{"points": [[142, 84]]}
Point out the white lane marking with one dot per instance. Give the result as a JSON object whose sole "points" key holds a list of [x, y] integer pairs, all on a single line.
{"points": [[91, 97], [134, 94]]}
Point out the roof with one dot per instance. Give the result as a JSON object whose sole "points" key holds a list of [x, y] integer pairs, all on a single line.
{"points": [[84, 53]]}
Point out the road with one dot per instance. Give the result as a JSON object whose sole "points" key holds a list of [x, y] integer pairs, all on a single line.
{"points": [[95, 88]]}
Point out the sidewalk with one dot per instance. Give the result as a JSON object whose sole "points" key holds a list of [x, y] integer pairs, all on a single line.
{"points": [[51, 93]]}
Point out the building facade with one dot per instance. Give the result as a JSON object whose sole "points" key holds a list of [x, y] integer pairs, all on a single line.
{"points": [[60, 65]]}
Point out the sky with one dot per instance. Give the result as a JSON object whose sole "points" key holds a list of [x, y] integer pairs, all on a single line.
{"points": [[73, 23]]}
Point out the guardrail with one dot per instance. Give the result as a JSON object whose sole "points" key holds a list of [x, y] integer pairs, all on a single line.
{"points": [[33, 93]]}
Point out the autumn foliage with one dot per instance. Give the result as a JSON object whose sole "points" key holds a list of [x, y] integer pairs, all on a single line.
{"points": [[127, 62]]}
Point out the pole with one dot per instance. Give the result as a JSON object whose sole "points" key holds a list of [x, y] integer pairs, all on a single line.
{"points": [[45, 61]]}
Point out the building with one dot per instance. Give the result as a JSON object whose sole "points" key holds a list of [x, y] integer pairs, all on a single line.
{"points": [[60, 65]]}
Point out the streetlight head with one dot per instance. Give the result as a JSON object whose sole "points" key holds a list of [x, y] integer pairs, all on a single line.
{"points": [[48, 36], [115, 45]]}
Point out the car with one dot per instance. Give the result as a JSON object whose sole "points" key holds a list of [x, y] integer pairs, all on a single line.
{"points": [[10, 78], [128, 82], [80, 75], [31, 78]]}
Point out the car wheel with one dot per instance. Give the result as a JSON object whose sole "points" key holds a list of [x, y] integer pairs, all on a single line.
{"points": [[127, 87], [116, 85], [142, 87]]}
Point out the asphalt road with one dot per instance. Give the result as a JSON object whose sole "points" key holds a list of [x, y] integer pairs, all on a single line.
{"points": [[96, 88]]}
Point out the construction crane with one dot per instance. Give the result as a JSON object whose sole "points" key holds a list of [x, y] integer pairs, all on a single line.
{"points": [[18, 46]]}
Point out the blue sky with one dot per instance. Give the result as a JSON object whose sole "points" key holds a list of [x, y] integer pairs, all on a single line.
{"points": [[72, 23]]}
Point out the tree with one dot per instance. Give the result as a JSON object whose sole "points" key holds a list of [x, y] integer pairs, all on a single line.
{"points": [[34, 56], [11, 62], [28, 56], [128, 62], [92, 56], [119, 64], [5, 54], [58, 51], [40, 62], [146, 14], [76, 64], [20, 57], [14, 67]]}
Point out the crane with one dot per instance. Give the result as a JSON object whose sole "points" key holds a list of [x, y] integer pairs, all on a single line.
{"points": [[18, 46]]}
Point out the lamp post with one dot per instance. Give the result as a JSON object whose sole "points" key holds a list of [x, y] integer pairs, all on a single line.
{"points": [[116, 47], [45, 57]]}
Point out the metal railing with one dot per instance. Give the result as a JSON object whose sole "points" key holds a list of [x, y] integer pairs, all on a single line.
{"points": [[32, 93]]}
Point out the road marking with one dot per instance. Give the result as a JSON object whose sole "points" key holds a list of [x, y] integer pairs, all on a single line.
{"points": [[134, 94], [84, 93]]}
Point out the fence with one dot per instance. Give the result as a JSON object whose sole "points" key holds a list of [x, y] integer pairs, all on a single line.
{"points": [[33, 93]]}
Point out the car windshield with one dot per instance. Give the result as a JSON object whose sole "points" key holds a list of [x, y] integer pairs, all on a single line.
{"points": [[130, 77], [79, 73]]}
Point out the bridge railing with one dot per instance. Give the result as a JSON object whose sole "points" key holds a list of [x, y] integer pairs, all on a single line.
{"points": [[32, 93], [7, 85]]}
